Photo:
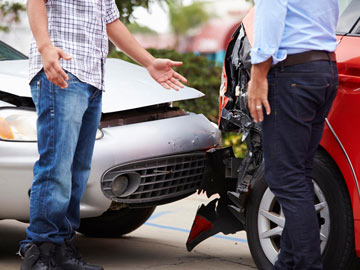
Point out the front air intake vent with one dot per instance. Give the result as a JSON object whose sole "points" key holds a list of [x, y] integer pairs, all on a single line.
{"points": [[161, 179]]}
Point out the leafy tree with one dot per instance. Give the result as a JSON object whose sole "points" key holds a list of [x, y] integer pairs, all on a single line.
{"points": [[137, 28], [126, 7], [9, 13], [183, 18]]}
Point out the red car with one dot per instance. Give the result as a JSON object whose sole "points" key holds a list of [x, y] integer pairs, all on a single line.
{"points": [[245, 200]]}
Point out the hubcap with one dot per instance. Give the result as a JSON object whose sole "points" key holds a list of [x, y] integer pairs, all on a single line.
{"points": [[271, 222]]}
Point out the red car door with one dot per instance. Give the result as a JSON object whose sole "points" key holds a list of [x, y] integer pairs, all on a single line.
{"points": [[342, 130]]}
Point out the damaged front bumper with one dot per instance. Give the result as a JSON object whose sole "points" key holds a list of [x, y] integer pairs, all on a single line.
{"points": [[227, 175], [230, 178]]}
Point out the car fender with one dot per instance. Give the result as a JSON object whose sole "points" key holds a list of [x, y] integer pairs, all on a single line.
{"points": [[332, 145]]}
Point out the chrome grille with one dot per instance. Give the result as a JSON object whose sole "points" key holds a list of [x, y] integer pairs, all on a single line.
{"points": [[162, 178]]}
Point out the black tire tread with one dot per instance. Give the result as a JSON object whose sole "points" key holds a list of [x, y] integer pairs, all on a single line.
{"points": [[113, 224], [351, 262]]}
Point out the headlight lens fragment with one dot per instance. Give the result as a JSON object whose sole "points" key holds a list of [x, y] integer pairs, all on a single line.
{"points": [[99, 134], [20, 125]]}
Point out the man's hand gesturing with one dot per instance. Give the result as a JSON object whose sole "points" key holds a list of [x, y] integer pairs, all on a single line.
{"points": [[162, 72], [54, 72]]}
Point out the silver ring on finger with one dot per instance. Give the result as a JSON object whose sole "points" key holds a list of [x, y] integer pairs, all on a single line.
{"points": [[258, 107]]}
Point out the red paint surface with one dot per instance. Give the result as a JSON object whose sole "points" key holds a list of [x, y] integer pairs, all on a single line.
{"points": [[344, 117], [200, 225]]}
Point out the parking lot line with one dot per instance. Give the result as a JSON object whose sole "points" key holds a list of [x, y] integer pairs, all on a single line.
{"points": [[187, 231]]}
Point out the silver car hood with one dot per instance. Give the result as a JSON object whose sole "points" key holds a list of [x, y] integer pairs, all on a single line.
{"points": [[128, 86]]}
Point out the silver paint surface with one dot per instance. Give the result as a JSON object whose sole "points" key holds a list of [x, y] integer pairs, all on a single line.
{"points": [[128, 87]]}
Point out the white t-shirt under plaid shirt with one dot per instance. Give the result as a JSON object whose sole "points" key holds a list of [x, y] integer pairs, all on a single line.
{"points": [[79, 28]]}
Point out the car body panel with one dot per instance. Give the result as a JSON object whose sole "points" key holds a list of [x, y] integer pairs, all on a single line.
{"points": [[248, 22], [14, 77], [5, 104], [346, 105], [120, 144], [131, 134], [128, 86]]}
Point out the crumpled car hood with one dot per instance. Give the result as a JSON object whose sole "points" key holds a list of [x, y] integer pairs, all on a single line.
{"points": [[127, 86]]}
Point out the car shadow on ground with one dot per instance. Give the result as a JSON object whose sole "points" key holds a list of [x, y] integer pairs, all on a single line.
{"points": [[141, 251]]}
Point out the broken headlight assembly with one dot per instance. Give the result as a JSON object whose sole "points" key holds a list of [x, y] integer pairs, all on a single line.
{"points": [[19, 124]]}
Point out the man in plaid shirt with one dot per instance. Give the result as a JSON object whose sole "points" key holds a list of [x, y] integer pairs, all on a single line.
{"points": [[67, 59]]}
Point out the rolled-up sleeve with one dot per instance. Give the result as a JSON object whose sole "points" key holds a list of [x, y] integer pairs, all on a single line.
{"points": [[112, 12], [269, 24]]}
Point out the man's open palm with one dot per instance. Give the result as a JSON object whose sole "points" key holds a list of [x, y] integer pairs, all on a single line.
{"points": [[162, 72]]}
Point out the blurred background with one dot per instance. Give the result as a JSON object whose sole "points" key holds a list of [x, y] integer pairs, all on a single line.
{"points": [[193, 31]]}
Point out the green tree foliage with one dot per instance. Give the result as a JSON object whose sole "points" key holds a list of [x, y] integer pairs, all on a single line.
{"points": [[183, 18], [234, 139], [126, 7], [137, 28], [9, 13]]}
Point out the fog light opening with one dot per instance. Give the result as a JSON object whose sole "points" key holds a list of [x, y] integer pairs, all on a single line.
{"points": [[124, 185], [119, 185]]}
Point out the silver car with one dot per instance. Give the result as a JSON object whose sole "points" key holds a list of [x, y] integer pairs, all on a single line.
{"points": [[147, 152]]}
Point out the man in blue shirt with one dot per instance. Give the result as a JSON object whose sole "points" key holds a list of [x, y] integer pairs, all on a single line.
{"points": [[293, 81]]}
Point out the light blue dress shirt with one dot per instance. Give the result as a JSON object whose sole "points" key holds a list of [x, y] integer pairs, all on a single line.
{"points": [[284, 27]]}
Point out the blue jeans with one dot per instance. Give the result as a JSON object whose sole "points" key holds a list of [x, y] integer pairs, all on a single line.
{"points": [[66, 127], [300, 97]]}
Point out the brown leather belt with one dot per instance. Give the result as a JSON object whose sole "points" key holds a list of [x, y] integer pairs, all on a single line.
{"points": [[304, 57]]}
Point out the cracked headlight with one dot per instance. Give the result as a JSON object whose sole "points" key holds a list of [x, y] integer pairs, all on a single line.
{"points": [[20, 125]]}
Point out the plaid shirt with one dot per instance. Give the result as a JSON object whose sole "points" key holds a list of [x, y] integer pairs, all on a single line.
{"points": [[79, 28]]}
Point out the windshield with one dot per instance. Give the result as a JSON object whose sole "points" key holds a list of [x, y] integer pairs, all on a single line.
{"points": [[343, 4], [349, 16], [8, 53]]}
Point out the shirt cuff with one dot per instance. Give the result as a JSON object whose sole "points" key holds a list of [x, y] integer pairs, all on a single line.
{"points": [[258, 55]]}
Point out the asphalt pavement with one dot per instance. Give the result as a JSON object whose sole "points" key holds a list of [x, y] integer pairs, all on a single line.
{"points": [[158, 245]]}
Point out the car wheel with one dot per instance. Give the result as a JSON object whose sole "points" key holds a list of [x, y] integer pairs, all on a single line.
{"points": [[115, 223], [265, 220]]}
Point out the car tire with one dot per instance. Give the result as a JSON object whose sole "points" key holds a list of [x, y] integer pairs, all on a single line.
{"points": [[113, 224], [338, 251]]}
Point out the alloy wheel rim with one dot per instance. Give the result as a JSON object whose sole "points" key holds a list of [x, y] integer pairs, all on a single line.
{"points": [[271, 222]]}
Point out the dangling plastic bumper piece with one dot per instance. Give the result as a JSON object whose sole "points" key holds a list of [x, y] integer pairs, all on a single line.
{"points": [[210, 220]]}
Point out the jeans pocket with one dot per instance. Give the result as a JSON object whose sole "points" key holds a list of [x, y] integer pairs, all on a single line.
{"points": [[35, 87], [72, 78], [308, 99], [309, 87]]}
